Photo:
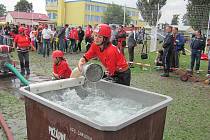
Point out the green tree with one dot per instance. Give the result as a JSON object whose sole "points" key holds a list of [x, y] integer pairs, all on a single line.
{"points": [[115, 15], [175, 20], [198, 13], [24, 6], [2, 10], [149, 10]]}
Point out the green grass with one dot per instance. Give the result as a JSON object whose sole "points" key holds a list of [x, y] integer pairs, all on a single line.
{"points": [[188, 116]]}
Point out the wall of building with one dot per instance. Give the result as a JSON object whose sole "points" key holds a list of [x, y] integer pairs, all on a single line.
{"points": [[75, 13], [61, 13], [84, 13]]}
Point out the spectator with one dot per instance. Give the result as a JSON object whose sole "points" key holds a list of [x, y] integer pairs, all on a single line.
{"points": [[121, 39], [81, 34], [197, 45], [178, 45], [131, 44], [46, 35], [88, 36], [167, 51], [74, 38], [61, 37]]}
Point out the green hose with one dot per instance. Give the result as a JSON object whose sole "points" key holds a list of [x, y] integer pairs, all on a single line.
{"points": [[17, 73]]}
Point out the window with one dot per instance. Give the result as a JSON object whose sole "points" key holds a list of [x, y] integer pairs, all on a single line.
{"points": [[51, 1], [97, 8], [92, 8], [52, 15], [49, 15], [87, 7]]}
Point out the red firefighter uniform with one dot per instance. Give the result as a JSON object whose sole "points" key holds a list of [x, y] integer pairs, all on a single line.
{"points": [[62, 69], [22, 41], [111, 58]]}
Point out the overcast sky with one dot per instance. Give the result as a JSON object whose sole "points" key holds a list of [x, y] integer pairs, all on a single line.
{"points": [[172, 7]]}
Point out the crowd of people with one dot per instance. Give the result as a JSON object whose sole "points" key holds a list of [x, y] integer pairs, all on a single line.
{"points": [[174, 44], [103, 41]]}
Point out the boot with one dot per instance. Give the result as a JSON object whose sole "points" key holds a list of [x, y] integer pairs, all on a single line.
{"points": [[165, 74]]}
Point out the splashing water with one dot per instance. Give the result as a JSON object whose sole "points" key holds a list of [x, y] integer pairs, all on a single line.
{"points": [[97, 105]]}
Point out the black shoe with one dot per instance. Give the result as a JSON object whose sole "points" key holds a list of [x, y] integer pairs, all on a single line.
{"points": [[131, 65], [22, 73], [164, 75]]}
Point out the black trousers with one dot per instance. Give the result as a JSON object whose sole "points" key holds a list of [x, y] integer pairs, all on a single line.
{"points": [[24, 62], [167, 52], [123, 78], [131, 53], [79, 45], [175, 58]]}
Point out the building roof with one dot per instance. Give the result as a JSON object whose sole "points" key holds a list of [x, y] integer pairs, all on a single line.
{"points": [[25, 15], [2, 18]]}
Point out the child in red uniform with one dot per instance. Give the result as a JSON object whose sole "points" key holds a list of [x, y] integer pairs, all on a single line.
{"points": [[109, 55], [61, 69]]}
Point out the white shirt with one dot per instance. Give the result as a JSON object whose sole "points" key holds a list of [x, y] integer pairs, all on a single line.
{"points": [[46, 33]]}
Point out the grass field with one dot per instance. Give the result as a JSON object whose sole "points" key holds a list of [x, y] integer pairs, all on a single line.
{"points": [[188, 116]]}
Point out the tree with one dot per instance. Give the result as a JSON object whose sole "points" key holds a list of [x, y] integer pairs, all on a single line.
{"points": [[2, 10], [24, 6], [197, 13], [175, 20], [149, 10], [115, 15]]}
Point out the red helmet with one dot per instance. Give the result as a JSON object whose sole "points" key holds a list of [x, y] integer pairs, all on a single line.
{"points": [[103, 30], [21, 29], [57, 53]]}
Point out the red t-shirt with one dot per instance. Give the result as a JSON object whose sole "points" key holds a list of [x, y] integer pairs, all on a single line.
{"points": [[74, 34], [111, 57], [22, 41], [62, 69], [88, 32]]}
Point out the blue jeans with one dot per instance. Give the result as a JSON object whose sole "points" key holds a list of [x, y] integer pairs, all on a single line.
{"points": [[46, 46], [61, 44], [195, 58]]}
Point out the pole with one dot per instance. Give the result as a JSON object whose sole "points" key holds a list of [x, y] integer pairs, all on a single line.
{"points": [[158, 15], [32, 18], [124, 15], [207, 34]]}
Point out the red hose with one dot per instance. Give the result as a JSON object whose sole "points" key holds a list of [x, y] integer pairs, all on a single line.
{"points": [[6, 128]]}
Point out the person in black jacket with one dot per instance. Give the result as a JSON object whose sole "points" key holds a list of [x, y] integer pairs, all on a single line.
{"points": [[81, 34], [197, 45], [61, 36], [167, 51]]}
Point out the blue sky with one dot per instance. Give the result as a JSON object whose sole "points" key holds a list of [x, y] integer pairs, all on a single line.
{"points": [[172, 7]]}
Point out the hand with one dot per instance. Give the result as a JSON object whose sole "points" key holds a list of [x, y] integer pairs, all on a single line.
{"points": [[106, 73], [82, 61], [55, 75]]}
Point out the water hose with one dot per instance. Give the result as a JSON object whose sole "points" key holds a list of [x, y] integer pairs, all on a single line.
{"points": [[6, 128], [17, 73]]}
